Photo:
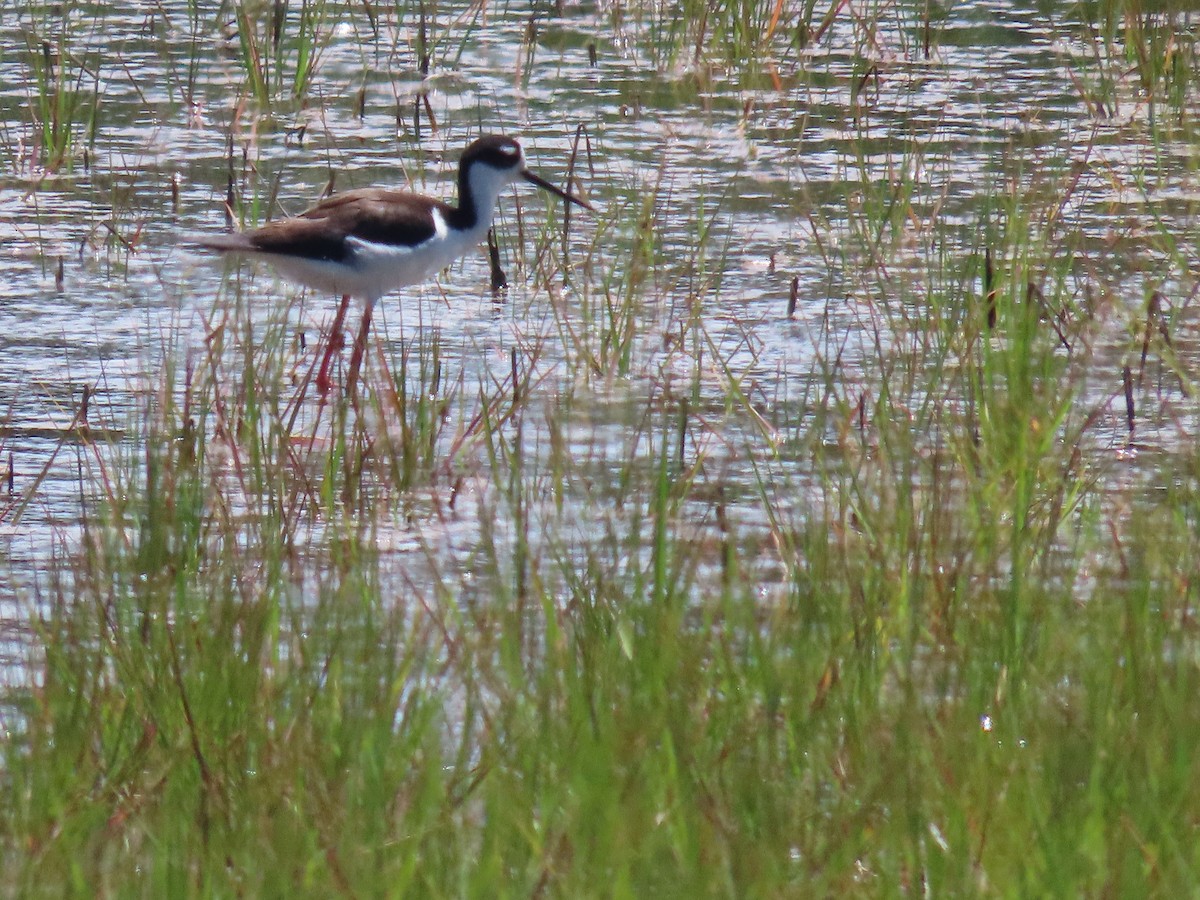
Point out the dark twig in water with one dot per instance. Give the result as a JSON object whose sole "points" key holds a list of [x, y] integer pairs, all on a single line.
{"points": [[499, 279], [1032, 293], [580, 131], [516, 393], [1127, 378], [422, 41]]}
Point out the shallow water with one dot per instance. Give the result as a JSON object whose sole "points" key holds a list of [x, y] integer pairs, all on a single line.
{"points": [[777, 160]]}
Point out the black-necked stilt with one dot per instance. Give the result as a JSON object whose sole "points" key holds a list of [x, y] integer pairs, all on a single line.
{"points": [[367, 243]]}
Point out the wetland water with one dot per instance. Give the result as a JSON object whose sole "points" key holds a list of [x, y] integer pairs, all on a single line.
{"points": [[868, 174]]}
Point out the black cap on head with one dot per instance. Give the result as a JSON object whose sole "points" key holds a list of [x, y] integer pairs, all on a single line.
{"points": [[494, 150]]}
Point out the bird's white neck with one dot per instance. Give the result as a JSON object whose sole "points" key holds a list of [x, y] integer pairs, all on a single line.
{"points": [[479, 193]]}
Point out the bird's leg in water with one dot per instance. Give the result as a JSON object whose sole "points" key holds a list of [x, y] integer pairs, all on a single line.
{"points": [[360, 348], [333, 345]]}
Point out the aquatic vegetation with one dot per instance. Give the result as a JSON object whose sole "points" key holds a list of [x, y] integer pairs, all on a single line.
{"points": [[818, 518], [61, 78], [280, 47]]}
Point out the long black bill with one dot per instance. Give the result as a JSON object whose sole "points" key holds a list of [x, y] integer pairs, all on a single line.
{"points": [[547, 186]]}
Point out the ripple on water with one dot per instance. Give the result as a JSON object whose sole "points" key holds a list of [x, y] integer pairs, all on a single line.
{"points": [[788, 171]]}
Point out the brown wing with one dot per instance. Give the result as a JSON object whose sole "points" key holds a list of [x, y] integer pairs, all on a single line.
{"points": [[370, 214]]}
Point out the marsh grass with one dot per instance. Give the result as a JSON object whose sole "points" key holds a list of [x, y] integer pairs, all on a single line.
{"points": [[871, 664], [280, 47], [621, 608], [63, 87]]}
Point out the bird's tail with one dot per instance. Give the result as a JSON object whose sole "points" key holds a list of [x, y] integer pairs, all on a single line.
{"points": [[222, 243]]}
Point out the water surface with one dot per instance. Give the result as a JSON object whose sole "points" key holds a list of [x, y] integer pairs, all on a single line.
{"points": [[746, 177]]}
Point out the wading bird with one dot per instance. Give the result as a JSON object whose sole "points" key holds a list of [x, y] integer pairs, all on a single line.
{"points": [[367, 243]]}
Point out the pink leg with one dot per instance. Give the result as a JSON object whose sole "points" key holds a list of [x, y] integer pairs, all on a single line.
{"points": [[334, 344], [360, 348]]}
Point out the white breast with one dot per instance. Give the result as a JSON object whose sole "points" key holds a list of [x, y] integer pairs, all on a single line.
{"points": [[383, 268]]}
